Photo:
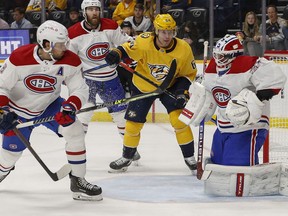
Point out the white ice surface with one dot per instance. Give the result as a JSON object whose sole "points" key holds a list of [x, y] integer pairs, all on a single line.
{"points": [[161, 185]]}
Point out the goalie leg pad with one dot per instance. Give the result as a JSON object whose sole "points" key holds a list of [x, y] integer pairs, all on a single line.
{"points": [[259, 180]]}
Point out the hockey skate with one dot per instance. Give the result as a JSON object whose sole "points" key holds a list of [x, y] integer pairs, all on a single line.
{"points": [[2, 177], [120, 165], [83, 190], [191, 163]]}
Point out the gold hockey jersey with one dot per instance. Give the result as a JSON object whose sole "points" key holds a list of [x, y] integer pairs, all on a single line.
{"points": [[153, 62]]}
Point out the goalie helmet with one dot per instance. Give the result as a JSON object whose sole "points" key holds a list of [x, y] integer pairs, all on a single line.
{"points": [[164, 22], [89, 3], [53, 32], [227, 49]]}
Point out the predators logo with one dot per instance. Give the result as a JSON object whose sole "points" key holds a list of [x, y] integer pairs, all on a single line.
{"points": [[159, 72]]}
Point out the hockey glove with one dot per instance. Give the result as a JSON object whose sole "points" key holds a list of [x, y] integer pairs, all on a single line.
{"points": [[113, 57], [182, 97], [67, 116], [8, 120]]}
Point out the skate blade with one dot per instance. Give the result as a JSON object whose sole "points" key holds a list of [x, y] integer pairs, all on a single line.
{"points": [[85, 197], [122, 170]]}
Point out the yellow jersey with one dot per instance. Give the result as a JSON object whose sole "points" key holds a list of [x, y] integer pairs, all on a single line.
{"points": [[153, 62]]}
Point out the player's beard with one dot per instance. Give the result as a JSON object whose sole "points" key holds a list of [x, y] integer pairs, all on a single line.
{"points": [[93, 22]]}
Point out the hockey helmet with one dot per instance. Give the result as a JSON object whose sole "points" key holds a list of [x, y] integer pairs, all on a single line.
{"points": [[164, 22], [53, 32], [227, 49], [89, 3]]}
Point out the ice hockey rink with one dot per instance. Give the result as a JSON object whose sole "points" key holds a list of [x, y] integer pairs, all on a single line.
{"points": [[161, 185]]}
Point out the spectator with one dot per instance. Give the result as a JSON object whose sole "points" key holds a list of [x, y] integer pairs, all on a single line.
{"points": [[20, 21], [74, 17], [189, 32], [50, 5], [150, 9], [3, 24], [127, 28], [250, 30], [124, 9], [139, 23], [111, 5], [172, 4], [274, 34]]}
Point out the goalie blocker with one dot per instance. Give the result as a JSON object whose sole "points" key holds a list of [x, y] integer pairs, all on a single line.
{"points": [[259, 180]]}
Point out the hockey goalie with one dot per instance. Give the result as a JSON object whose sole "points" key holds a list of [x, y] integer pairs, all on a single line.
{"points": [[240, 87]]}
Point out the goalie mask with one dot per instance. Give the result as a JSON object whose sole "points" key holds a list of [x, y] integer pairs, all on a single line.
{"points": [[226, 50]]}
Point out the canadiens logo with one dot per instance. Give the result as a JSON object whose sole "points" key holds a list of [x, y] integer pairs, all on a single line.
{"points": [[159, 72], [97, 51], [41, 83], [221, 96]]}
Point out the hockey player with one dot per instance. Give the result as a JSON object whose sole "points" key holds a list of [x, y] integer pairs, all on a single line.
{"points": [[240, 86], [154, 53], [30, 85], [91, 40]]}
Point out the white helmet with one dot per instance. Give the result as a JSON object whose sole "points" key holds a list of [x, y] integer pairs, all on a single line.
{"points": [[227, 49], [89, 3], [53, 32]]}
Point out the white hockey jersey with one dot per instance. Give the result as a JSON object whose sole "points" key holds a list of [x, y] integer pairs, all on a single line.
{"points": [[32, 84], [246, 72], [142, 27], [93, 46]]}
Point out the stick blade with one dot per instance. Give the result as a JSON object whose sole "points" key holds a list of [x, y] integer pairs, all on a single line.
{"points": [[169, 76], [63, 172]]}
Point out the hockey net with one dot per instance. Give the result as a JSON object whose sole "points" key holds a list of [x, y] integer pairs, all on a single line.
{"points": [[275, 148]]}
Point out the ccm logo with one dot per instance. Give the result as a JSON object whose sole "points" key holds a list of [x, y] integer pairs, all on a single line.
{"points": [[40, 83], [97, 52]]}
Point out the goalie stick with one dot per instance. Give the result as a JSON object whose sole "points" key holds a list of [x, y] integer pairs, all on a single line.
{"points": [[202, 124], [61, 173], [160, 89]]}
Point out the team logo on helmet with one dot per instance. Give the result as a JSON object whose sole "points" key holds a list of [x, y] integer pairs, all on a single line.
{"points": [[221, 96], [159, 72], [97, 51], [41, 83]]}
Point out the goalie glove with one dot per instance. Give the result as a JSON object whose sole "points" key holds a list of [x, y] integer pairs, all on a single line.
{"points": [[244, 109]]}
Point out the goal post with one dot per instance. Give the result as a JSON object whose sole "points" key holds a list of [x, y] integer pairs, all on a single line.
{"points": [[275, 148]]}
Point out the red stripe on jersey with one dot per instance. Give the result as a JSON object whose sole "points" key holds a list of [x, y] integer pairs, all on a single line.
{"points": [[76, 153], [23, 55]]}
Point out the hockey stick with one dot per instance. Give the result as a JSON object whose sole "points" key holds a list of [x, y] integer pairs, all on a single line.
{"points": [[201, 126], [95, 68], [125, 66], [160, 89], [64, 171]]}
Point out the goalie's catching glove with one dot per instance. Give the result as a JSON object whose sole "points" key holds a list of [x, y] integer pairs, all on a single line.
{"points": [[8, 120], [244, 109], [67, 115]]}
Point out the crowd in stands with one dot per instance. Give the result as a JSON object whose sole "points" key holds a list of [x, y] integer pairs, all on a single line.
{"points": [[140, 13]]}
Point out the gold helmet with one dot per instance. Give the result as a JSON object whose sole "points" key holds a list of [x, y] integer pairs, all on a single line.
{"points": [[164, 22]]}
